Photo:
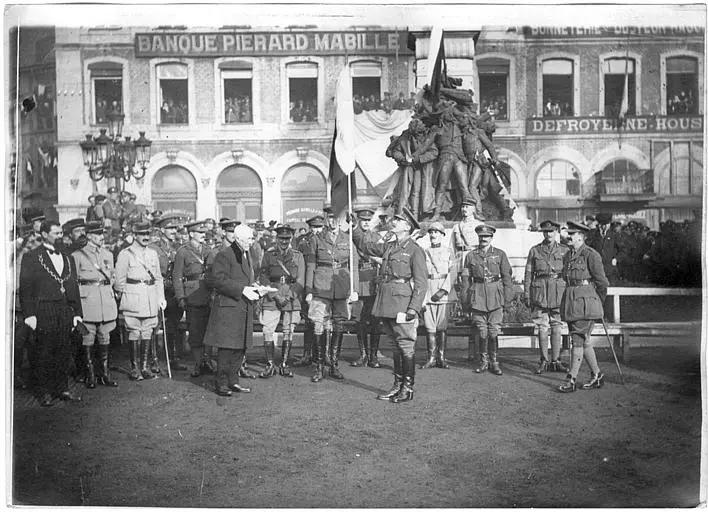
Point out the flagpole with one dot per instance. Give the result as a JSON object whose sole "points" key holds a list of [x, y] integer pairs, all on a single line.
{"points": [[351, 236]]}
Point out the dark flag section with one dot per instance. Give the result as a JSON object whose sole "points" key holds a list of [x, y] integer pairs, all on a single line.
{"points": [[340, 182]]}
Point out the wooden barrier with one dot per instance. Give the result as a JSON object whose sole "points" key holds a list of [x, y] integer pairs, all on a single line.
{"points": [[616, 292]]}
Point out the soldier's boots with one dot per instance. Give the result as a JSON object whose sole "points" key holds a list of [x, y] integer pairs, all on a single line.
{"points": [[431, 345], [328, 343], [405, 394], [484, 363], [284, 369], [221, 383], [568, 386], [335, 351], [558, 366], [144, 355], [374, 351], [494, 364], [318, 348], [542, 367], [306, 359], [270, 369], [90, 371], [442, 347], [596, 381], [362, 340], [135, 360], [104, 377], [155, 364], [397, 378], [197, 355]]}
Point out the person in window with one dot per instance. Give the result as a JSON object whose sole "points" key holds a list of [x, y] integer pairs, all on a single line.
{"points": [[358, 106], [309, 113], [101, 106], [298, 112], [387, 103], [246, 114], [165, 112], [400, 103]]}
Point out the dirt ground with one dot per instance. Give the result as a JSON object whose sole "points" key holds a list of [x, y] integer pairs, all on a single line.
{"points": [[466, 440]]}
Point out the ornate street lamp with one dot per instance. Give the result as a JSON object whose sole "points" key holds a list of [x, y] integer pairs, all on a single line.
{"points": [[107, 156]]}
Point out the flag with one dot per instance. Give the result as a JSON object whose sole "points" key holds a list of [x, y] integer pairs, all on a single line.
{"points": [[341, 160], [436, 67], [624, 106]]}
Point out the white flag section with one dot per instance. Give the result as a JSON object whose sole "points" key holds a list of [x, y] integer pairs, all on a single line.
{"points": [[433, 49], [624, 107], [344, 143]]}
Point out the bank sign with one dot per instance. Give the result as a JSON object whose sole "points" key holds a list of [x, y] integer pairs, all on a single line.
{"points": [[240, 44], [635, 124]]}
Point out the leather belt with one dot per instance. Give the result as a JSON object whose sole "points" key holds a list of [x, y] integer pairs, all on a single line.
{"points": [[437, 276], [329, 264], [547, 276], [148, 282], [398, 280], [578, 282], [487, 279], [194, 277], [94, 282]]}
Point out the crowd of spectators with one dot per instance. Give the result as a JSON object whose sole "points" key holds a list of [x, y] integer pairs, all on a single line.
{"points": [[173, 112], [238, 109], [303, 111], [495, 105], [387, 104], [681, 103], [105, 107], [553, 108]]}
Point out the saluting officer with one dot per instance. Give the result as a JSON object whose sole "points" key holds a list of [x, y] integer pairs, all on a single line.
{"points": [[96, 275], [486, 289], [543, 290], [442, 273], [140, 285], [367, 327], [581, 305], [190, 289], [283, 268], [399, 298], [328, 291], [304, 246]]}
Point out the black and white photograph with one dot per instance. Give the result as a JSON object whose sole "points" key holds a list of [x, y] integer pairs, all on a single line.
{"points": [[354, 255]]}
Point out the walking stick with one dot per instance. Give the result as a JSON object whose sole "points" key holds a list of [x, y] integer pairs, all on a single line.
{"points": [[604, 324], [164, 342]]}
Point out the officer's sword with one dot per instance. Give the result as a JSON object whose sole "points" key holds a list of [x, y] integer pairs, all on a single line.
{"points": [[609, 341], [164, 342]]}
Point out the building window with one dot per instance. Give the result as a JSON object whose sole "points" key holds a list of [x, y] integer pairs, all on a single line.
{"points": [[686, 171], [173, 87], [624, 177], [614, 70], [302, 190], [557, 87], [302, 90], [558, 178], [107, 86], [174, 191], [681, 85], [237, 86], [494, 87], [239, 194], [366, 86], [560, 215]]}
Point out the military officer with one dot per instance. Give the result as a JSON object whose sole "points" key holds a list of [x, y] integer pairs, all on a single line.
{"points": [[328, 292], [112, 212], [442, 272], [166, 247], [75, 229], [486, 289], [283, 268], [316, 225], [191, 291], [543, 290], [139, 283], [96, 275], [367, 327], [581, 305], [399, 298]]}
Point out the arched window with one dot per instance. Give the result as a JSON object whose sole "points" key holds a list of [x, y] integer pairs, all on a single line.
{"points": [[107, 89], [558, 178], [173, 90], [494, 86], [302, 191], [237, 85], [558, 87], [681, 85], [239, 193], [680, 171], [366, 84], [622, 176], [302, 92], [174, 190], [614, 70]]}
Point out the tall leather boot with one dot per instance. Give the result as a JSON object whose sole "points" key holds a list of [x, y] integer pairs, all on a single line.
{"points": [[405, 394], [154, 363], [442, 345], [144, 355], [397, 377], [328, 343], [431, 343], [284, 369], [134, 346], [307, 340], [104, 369], [221, 382], [484, 356], [374, 351], [269, 371], [317, 354], [335, 351], [361, 338], [493, 347], [90, 371], [243, 369], [197, 356]]}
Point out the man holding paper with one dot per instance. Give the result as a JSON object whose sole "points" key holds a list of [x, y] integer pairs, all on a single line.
{"points": [[399, 298]]}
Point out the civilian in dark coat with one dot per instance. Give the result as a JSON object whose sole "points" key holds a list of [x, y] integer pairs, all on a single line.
{"points": [[608, 244], [51, 303]]}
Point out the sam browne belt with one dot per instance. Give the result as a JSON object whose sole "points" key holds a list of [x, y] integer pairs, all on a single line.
{"points": [[148, 282], [578, 282], [94, 282], [487, 279]]}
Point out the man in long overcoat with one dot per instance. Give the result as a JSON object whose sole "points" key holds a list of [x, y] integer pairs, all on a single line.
{"points": [[230, 326]]}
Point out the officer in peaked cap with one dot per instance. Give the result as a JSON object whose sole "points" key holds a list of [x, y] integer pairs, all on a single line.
{"points": [[585, 292], [486, 289], [76, 230], [608, 243], [543, 291]]}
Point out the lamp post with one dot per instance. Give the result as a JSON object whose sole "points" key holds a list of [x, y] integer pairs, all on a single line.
{"points": [[107, 156]]}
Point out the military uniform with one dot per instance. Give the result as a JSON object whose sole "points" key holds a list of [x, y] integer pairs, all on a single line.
{"points": [[543, 290], [442, 273], [140, 284], [191, 291], [486, 288], [284, 270], [112, 213], [327, 279], [96, 275], [581, 306]]}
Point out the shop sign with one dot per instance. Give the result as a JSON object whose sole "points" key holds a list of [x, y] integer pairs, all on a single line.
{"points": [[299, 216], [241, 44], [611, 31], [634, 124]]}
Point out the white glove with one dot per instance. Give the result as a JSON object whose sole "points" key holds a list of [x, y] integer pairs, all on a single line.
{"points": [[163, 304], [353, 297], [308, 298], [614, 262], [76, 320], [31, 322]]}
